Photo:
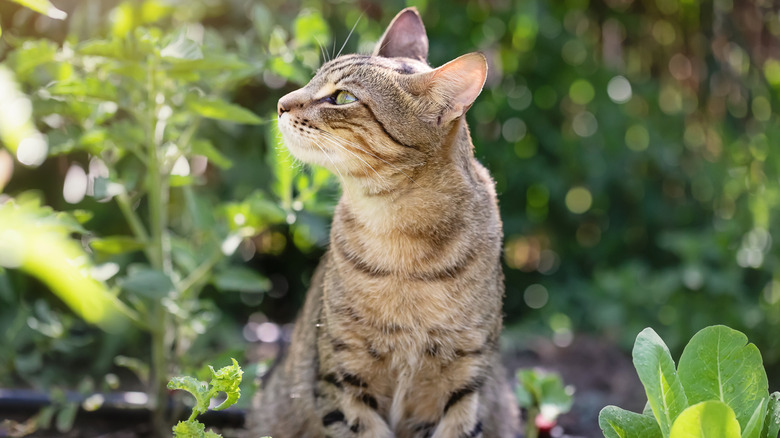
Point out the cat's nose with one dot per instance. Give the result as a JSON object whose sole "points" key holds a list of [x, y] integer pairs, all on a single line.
{"points": [[287, 102]]}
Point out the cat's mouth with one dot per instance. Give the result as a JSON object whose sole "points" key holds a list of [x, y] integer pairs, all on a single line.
{"points": [[307, 143]]}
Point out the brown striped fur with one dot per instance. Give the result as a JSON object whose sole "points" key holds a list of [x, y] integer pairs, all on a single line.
{"points": [[399, 333]]}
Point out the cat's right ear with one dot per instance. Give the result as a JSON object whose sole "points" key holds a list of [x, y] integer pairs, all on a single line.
{"points": [[455, 85], [404, 37]]}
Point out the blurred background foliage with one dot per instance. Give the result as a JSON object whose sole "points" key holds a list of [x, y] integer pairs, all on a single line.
{"points": [[630, 141]]}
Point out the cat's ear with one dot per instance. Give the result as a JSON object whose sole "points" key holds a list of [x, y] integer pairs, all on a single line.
{"points": [[404, 37], [456, 85]]}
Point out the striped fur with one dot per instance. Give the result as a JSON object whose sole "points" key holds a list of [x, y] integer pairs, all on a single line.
{"points": [[399, 333]]}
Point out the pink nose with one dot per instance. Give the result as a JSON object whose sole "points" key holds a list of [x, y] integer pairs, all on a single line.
{"points": [[288, 102]]}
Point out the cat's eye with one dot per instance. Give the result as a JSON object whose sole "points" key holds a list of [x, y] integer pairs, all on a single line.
{"points": [[343, 97]]}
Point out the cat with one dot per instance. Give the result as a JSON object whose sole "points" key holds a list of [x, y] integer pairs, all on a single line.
{"points": [[399, 333]]}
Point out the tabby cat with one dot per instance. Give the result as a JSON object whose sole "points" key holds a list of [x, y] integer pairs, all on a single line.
{"points": [[399, 333]]}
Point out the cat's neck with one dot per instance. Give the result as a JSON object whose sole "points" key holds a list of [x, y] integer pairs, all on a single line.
{"points": [[419, 199]]}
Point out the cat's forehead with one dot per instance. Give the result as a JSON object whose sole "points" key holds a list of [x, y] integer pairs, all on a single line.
{"points": [[351, 65]]}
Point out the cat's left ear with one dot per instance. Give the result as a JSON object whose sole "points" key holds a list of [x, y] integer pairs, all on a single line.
{"points": [[404, 37], [455, 85]]}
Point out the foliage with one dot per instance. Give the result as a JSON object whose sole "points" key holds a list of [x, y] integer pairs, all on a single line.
{"points": [[544, 398], [226, 379], [131, 104], [630, 142], [719, 390]]}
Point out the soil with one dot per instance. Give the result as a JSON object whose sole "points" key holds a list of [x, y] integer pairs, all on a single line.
{"points": [[601, 373]]}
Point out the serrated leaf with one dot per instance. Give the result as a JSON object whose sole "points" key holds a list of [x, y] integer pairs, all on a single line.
{"points": [[193, 429], [772, 421], [221, 110], [719, 364], [709, 419], [146, 282], [241, 279], [227, 379], [619, 423], [198, 389], [656, 370]]}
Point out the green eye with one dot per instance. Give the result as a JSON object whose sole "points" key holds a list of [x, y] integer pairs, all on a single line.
{"points": [[344, 97]]}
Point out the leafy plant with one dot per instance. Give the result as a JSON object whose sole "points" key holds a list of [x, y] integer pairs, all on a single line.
{"points": [[719, 390], [544, 397], [226, 379]]}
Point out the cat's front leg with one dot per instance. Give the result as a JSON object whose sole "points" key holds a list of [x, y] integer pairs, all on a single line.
{"points": [[460, 418], [349, 410]]}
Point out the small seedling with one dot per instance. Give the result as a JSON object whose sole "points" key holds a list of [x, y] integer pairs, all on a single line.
{"points": [[544, 397], [719, 390], [226, 380]]}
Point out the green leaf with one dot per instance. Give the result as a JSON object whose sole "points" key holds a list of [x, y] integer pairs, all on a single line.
{"points": [[198, 389], [619, 423], [44, 7], [310, 28], [223, 63], [66, 417], [241, 280], [116, 244], [182, 48], [193, 429], [37, 240], [772, 420], [207, 149], [227, 380], [221, 110], [545, 391], [85, 87], [145, 281], [709, 419], [756, 422], [719, 364], [657, 372]]}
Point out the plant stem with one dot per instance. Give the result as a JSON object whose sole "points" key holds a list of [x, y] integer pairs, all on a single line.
{"points": [[187, 285], [157, 192], [531, 431]]}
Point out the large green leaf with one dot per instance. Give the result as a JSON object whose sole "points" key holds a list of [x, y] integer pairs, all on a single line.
{"points": [[222, 110], [241, 280], [145, 281], [772, 420], [719, 364], [619, 423], [756, 422], [709, 419], [44, 7], [657, 372], [38, 241]]}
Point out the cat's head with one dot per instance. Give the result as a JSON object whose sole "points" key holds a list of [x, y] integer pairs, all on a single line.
{"points": [[375, 118]]}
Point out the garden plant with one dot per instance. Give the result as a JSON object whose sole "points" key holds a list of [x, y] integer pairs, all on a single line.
{"points": [[151, 222], [718, 390]]}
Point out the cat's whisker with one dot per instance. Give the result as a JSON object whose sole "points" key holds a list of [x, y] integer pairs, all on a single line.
{"points": [[322, 149], [350, 34], [322, 50], [333, 141], [357, 146]]}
